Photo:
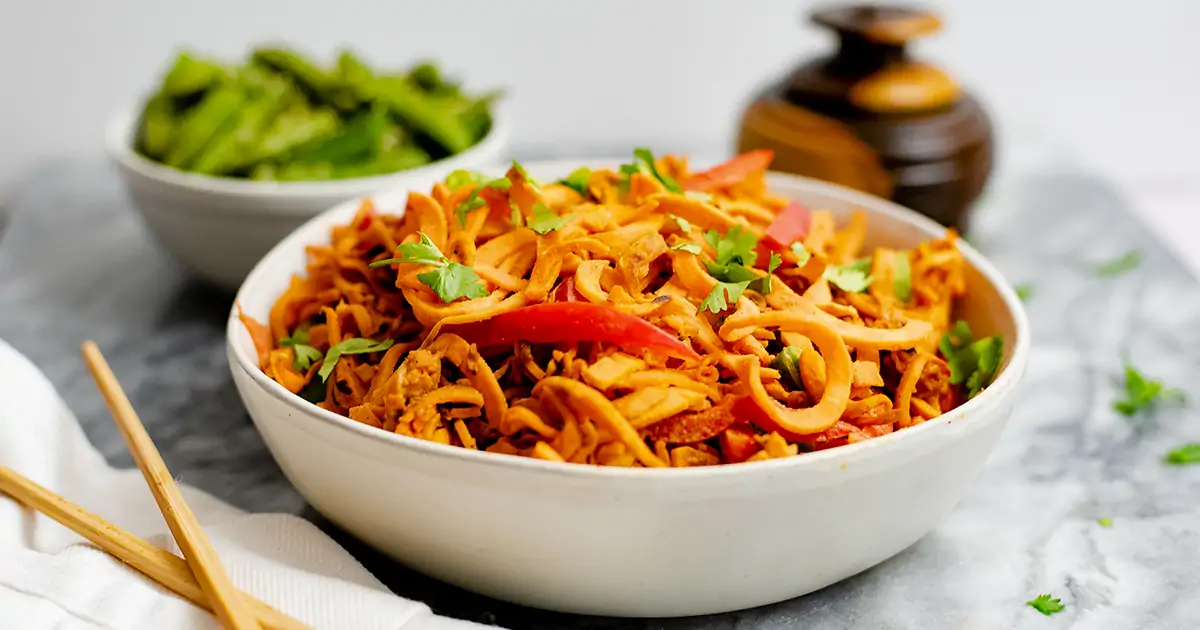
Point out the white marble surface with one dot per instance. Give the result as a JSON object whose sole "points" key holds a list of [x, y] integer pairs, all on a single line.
{"points": [[75, 264]]}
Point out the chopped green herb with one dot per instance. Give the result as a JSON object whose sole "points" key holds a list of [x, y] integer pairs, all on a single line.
{"points": [[1104, 521], [356, 345], [643, 162], [683, 223], [1045, 604], [544, 221], [763, 284], [902, 280], [474, 202], [801, 254], [1024, 291], [972, 362], [462, 178], [1189, 454], [1141, 393], [577, 180], [691, 248], [1117, 266], [305, 354], [851, 278], [732, 268], [788, 364], [450, 280], [524, 174], [515, 215]]}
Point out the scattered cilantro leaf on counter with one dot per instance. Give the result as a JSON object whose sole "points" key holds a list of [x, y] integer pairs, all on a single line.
{"points": [[1188, 454], [691, 248], [902, 279], [643, 162], [801, 254], [1141, 393], [1104, 521], [450, 280], [852, 277], [577, 180], [463, 177], [356, 345], [1024, 291], [475, 202], [972, 362], [1117, 266], [1046, 604], [304, 353], [544, 221]]}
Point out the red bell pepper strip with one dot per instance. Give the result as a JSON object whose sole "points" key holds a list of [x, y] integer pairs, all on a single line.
{"points": [[730, 172], [790, 225], [559, 322], [566, 291]]}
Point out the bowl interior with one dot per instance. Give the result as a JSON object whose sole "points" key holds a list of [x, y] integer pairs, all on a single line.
{"points": [[990, 307]]}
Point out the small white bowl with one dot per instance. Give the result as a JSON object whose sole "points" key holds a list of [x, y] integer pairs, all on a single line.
{"points": [[218, 227], [635, 542]]}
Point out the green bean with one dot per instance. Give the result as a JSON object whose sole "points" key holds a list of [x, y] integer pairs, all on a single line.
{"points": [[234, 146], [157, 128], [357, 140], [295, 127], [321, 84], [189, 76], [201, 123], [425, 114]]}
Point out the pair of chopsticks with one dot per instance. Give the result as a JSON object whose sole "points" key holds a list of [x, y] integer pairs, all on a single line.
{"points": [[199, 576]]}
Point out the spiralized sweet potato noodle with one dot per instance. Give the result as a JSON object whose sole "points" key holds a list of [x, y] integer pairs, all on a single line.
{"points": [[860, 365]]}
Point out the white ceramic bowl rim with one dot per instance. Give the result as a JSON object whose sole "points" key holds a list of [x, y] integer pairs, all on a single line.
{"points": [[119, 140], [1001, 386]]}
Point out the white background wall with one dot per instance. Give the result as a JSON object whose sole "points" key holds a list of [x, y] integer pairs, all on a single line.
{"points": [[1115, 81]]}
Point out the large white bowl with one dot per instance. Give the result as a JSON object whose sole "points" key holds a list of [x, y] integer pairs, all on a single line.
{"points": [[218, 227], [635, 542]]}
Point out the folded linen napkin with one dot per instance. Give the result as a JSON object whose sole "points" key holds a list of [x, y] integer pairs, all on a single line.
{"points": [[52, 578]]}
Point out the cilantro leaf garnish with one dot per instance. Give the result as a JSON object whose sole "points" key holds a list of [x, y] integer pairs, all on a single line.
{"points": [[718, 299], [544, 221], [357, 345], [851, 278], [1024, 291], [683, 223], [1117, 266], [1104, 521], [1188, 454], [475, 202], [1045, 604], [902, 279], [973, 363], [801, 254], [305, 354], [1141, 393], [462, 178], [732, 268], [577, 180], [788, 364], [643, 162], [691, 248], [525, 174], [450, 280], [515, 216]]}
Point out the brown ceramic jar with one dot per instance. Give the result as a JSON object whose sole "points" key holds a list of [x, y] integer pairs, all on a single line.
{"points": [[871, 118]]}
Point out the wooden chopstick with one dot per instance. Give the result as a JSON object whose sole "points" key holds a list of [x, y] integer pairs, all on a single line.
{"points": [[231, 609], [156, 563]]}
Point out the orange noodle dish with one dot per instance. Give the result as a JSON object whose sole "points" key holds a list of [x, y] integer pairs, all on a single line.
{"points": [[647, 317]]}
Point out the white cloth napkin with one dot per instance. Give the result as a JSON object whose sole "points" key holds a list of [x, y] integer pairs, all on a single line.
{"points": [[51, 578]]}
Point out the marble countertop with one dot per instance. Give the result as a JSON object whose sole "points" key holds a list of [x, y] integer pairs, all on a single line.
{"points": [[76, 264]]}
